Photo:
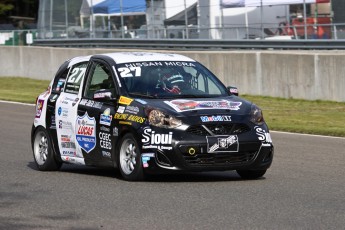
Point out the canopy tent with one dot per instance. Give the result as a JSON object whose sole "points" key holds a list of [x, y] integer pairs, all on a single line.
{"points": [[112, 7], [243, 3], [180, 18]]}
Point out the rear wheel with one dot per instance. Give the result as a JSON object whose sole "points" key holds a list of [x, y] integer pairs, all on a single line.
{"points": [[129, 159], [251, 174], [43, 151]]}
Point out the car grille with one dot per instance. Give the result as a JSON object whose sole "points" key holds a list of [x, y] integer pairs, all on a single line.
{"points": [[220, 159], [218, 129]]}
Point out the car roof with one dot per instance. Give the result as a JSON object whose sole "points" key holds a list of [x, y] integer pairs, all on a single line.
{"points": [[125, 57]]}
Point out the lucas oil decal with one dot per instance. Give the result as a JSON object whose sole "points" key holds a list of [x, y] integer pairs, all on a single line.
{"points": [[86, 132], [217, 144], [154, 140]]}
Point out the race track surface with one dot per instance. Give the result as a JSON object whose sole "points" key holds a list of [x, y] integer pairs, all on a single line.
{"points": [[304, 189]]}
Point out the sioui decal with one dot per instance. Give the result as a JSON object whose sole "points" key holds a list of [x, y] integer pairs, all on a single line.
{"points": [[86, 132], [39, 108], [151, 139], [115, 131], [222, 144], [215, 118], [263, 135], [187, 105], [105, 117], [125, 100], [104, 140]]}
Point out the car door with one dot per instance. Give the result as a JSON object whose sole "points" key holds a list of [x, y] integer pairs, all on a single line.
{"points": [[94, 120], [66, 112]]}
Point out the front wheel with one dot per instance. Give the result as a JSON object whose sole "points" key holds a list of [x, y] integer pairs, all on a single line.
{"points": [[129, 159], [251, 174], [43, 151]]}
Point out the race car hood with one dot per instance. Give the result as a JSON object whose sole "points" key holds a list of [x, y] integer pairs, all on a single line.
{"points": [[190, 107]]}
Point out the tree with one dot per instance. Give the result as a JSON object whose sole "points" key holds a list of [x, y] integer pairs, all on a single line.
{"points": [[6, 5]]}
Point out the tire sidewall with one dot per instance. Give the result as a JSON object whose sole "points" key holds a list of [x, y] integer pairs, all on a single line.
{"points": [[138, 173], [51, 163]]}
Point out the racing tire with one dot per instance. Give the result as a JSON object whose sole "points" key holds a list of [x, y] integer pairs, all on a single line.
{"points": [[43, 151], [129, 158], [251, 174]]}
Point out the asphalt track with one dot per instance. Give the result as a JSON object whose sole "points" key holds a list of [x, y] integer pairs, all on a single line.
{"points": [[304, 189]]}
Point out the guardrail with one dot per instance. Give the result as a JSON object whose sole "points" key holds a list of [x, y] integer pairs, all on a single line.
{"points": [[193, 44]]}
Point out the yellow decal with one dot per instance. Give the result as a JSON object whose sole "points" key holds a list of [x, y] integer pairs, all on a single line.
{"points": [[136, 118], [125, 123], [120, 116], [125, 100]]}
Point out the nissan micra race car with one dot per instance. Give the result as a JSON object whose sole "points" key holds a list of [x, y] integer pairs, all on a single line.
{"points": [[147, 113]]}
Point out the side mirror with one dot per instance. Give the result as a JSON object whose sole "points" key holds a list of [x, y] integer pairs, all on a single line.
{"points": [[103, 95], [233, 90]]}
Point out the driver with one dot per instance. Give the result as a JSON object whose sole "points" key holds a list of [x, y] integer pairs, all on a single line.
{"points": [[174, 82]]}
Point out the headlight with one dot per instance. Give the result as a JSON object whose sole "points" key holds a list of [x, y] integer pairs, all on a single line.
{"points": [[162, 120], [256, 115]]}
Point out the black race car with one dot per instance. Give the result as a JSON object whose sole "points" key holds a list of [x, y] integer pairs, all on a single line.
{"points": [[146, 113]]}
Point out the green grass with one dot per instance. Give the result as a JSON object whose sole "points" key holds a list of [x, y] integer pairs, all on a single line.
{"points": [[21, 89], [313, 117]]}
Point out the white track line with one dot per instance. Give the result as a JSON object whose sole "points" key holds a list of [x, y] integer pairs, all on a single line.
{"points": [[18, 103], [303, 134]]}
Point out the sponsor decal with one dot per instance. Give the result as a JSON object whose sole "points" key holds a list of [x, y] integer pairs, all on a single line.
{"points": [[115, 131], [67, 100], [158, 63], [105, 118], [125, 123], [53, 123], [216, 144], [74, 160], [39, 108], [104, 140], [105, 129], [145, 157], [129, 117], [65, 124], [63, 112], [263, 135], [187, 105], [91, 103], [151, 139], [75, 101], [86, 132], [121, 109], [141, 101], [106, 154], [60, 84], [102, 95], [125, 100], [132, 109], [54, 98], [215, 118]]}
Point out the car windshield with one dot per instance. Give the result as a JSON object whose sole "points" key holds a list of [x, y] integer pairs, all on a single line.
{"points": [[164, 79]]}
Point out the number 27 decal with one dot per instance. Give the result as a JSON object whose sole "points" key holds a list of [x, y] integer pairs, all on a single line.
{"points": [[128, 72]]}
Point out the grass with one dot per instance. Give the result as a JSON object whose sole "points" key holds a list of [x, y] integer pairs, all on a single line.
{"points": [[313, 117]]}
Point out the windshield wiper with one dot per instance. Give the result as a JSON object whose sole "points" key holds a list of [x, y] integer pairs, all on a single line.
{"points": [[136, 94]]}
